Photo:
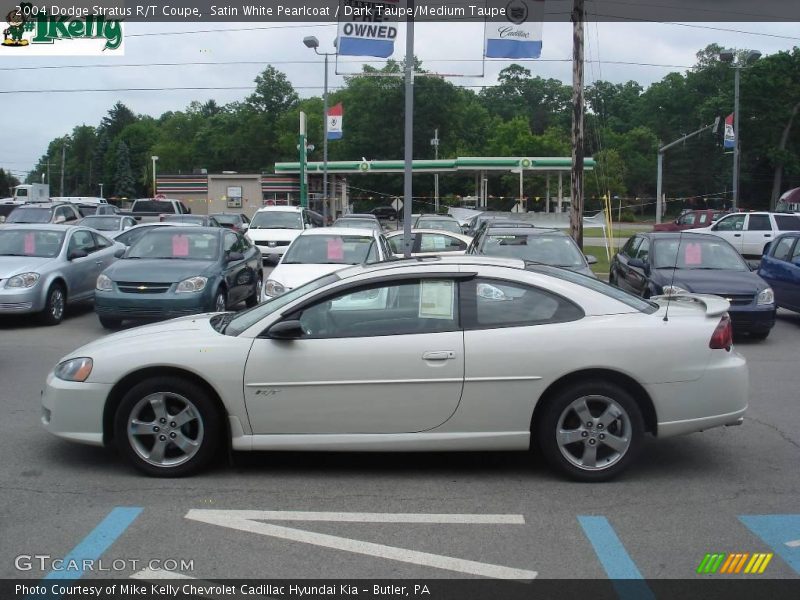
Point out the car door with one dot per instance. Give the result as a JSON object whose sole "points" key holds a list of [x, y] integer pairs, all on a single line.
{"points": [[620, 270], [235, 271], [380, 358], [778, 270], [81, 271], [637, 278], [104, 254], [757, 234], [730, 228]]}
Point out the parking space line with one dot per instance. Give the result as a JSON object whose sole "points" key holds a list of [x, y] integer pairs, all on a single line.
{"points": [[97, 542], [250, 521], [618, 565], [780, 532]]}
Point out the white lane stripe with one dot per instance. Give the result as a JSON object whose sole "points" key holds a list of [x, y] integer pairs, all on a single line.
{"points": [[234, 521], [206, 515], [793, 544]]}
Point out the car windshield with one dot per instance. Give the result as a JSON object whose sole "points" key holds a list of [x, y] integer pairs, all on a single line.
{"points": [[102, 223], [168, 243], [556, 250], [276, 219], [687, 253], [30, 242], [29, 214], [356, 223], [248, 318], [331, 250], [195, 219], [439, 224]]}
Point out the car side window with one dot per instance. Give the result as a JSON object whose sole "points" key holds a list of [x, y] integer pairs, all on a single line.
{"points": [[396, 242], [490, 304], [82, 240], [643, 251], [434, 242], [783, 249], [629, 249], [759, 223], [796, 252], [687, 219], [732, 223], [393, 308], [703, 219], [230, 242], [101, 242]]}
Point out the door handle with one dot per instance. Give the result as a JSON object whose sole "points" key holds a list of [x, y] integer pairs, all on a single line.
{"points": [[98, 262], [440, 355], [737, 235], [767, 235]]}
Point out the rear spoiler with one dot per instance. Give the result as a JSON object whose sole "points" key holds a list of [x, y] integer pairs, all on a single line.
{"points": [[714, 305]]}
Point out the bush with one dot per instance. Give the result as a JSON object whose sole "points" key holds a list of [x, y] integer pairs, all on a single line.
{"points": [[626, 216]]}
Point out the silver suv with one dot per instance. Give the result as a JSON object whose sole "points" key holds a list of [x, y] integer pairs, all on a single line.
{"points": [[43, 213]]}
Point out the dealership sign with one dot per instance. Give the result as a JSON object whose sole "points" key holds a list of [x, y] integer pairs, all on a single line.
{"points": [[367, 28]]}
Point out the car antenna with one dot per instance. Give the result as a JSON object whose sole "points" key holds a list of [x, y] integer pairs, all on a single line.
{"points": [[672, 282]]}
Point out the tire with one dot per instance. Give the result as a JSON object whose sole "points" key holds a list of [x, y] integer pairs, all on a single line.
{"points": [[626, 426], [153, 404], [759, 335], [55, 305], [110, 322], [220, 301], [255, 297]]}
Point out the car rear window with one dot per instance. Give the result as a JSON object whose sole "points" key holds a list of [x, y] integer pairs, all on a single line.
{"points": [[152, 206], [596, 285], [788, 222]]}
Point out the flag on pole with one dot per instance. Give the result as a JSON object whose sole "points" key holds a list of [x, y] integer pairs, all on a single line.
{"points": [[520, 34], [730, 134], [367, 27], [335, 115]]}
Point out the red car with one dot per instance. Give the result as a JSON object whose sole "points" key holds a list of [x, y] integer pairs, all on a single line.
{"points": [[690, 219]]}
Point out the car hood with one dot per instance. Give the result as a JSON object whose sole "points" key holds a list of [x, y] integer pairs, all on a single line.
{"points": [[292, 276], [278, 235], [13, 265], [158, 270], [701, 281]]}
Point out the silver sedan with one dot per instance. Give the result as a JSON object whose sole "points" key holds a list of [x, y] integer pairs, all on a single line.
{"points": [[45, 267]]}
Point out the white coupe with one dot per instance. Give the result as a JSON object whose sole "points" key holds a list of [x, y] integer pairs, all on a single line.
{"points": [[460, 353]]}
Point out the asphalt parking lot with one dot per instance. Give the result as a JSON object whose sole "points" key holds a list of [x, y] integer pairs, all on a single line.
{"points": [[725, 490]]}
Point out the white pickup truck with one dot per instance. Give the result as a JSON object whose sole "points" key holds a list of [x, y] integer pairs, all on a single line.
{"points": [[750, 232]]}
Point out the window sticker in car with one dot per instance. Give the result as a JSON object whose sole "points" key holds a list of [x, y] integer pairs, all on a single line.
{"points": [[30, 244], [335, 249], [692, 255], [436, 299], [180, 245]]}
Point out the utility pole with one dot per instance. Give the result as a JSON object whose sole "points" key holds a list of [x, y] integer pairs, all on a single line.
{"points": [[63, 157], [576, 214], [435, 144], [301, 147], [409, 131]]}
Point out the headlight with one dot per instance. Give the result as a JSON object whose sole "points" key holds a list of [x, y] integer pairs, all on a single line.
{"points": [[766, 296], [23, 280], [74, 369], [104, 283], [273, 288], [193, 284], [674, 290]]}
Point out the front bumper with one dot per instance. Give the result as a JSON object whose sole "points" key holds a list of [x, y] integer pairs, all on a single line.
{"points": [[118, 305], [30, 300], [73, 410], [753, 318]]}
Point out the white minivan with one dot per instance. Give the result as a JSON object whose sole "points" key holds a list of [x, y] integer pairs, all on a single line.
{"points": [[273, 228]]}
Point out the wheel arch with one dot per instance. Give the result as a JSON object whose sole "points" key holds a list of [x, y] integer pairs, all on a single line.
{"points": [[123, 385], [628, 383]]}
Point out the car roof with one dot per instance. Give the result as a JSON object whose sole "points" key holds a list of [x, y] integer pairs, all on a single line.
{"points": [[280, 209], [660, 235], [442, 217], [41, 227], [454, 234], [46, 204], [198, 229], [524, 231], [340, 231], [358, 216], [448, 262]]}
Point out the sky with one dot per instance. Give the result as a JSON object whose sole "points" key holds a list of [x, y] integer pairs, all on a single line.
{"points": [[31, 120]]}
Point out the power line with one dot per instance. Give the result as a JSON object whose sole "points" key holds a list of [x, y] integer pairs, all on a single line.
{"points": [[231, 29]]}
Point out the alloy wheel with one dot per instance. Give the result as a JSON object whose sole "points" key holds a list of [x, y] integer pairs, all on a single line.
{"points": [[593, 432], [165, 429]]}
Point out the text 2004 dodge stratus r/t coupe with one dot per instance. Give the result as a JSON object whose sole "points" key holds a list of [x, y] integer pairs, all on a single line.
{"points": [[462, 353]]}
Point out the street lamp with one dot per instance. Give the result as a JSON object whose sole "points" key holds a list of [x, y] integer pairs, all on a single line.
{"points": [[154, 159], [313, 43], [101, 189], [729, 56]]}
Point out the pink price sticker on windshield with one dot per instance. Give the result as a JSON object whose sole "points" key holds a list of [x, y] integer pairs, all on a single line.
{"points": [[692, 254], [180, 245], [335, 249], [30, 244]]}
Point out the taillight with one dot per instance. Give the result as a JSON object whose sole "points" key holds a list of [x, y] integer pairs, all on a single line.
{"points": [[722, 338]]}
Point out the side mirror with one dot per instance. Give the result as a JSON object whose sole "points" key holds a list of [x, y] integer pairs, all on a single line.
{"points": [[120, 253], [234, 256], [60, 219], [77, 253], [591, 259], [638, 263], [286, 330]]}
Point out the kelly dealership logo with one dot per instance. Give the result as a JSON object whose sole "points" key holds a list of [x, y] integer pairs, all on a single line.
{"points": [[731, 563], [32, 29]]}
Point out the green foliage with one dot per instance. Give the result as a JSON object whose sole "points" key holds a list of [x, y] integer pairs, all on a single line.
{"points": [[7, 181], [124, 185]]}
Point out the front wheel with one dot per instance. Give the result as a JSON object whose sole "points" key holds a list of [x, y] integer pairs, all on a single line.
{"points": [[255, 297], [590, 431], [220, 301], [167, 427], [55, 304]]}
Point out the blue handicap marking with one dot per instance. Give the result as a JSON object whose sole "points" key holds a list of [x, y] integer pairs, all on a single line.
{"points": [[617, 563], [92, 547], [780, 532]]}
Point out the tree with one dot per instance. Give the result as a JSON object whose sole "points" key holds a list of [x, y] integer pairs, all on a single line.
{"points": [[117, 119], [124, 183], [7, 181], [274, 94]]}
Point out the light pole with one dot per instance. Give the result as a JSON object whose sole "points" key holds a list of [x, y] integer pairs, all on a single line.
{"points": [[729, 56], [101, 189], [435, 144], [313, 43], [154, 159]]}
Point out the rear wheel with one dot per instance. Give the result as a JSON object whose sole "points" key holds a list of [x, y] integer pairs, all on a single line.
{"points": [[590, 431], [55, 305], [167, 427]]}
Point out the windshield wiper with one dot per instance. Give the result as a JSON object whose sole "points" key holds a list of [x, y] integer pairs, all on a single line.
{"points": [[224, 321]]}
